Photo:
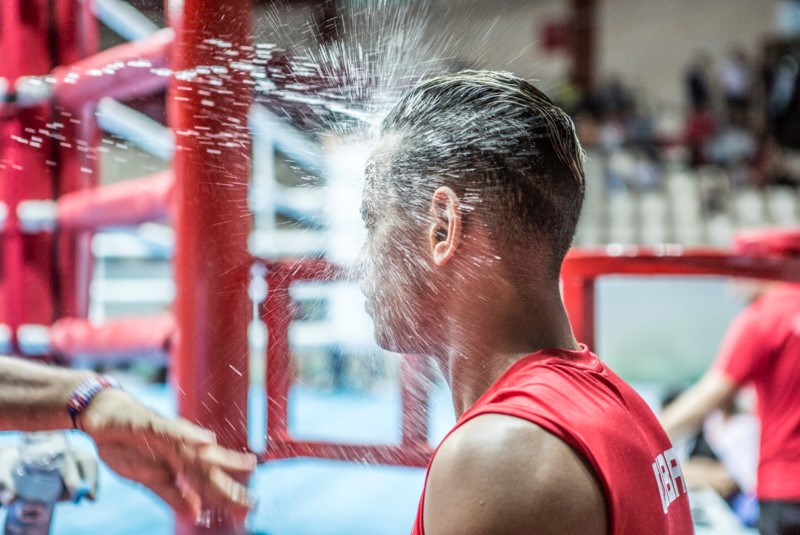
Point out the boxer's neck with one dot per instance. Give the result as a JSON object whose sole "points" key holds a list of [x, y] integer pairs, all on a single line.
{"points": [[484, 342]]}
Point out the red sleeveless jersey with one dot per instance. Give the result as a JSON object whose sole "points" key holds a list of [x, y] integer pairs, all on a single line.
{"points": [[574, 396]]}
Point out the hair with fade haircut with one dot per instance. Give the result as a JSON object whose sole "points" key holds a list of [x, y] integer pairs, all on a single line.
{"points": [[501, 145]]}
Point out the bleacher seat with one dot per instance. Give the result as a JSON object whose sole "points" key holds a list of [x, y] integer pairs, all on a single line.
{"points": [[782, 206], [748, 205], [690, 235], [720, 230], [621, 208], [684, 197], [653, 217]]}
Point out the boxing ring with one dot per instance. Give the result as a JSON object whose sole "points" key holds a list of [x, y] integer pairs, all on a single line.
{"points": [[56, 84]]}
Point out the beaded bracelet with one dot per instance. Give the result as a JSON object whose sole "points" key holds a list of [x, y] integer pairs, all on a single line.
{"points": [[85, 393]]}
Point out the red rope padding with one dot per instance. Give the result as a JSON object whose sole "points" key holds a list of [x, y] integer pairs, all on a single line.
{"points": [[126, 203], [121, 72], [74, 337]]}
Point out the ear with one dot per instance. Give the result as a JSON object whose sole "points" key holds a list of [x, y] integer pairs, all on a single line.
{"points": [[445, 233]]}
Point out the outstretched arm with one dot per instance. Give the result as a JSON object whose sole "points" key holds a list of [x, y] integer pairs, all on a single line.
{"points": [[685, 415], [34, 397], [174, 458], [500, 475]]}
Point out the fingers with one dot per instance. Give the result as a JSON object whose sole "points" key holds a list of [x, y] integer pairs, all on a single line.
{"points": [[87, 466], [217, 489], [186, 432], [202, 476], [208, 469], [207, 472], [180, 497], [231, 461], [9, 458], [74, 487]]}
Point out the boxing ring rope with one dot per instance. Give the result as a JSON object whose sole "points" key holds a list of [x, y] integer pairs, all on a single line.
{"points": [[122, 72], [135, 201], [78, 338], [135, 127]]}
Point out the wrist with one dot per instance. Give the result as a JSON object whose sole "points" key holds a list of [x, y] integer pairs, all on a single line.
{"points": [[85, 394]]}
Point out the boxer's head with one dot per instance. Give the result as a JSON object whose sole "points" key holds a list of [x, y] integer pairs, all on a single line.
{"points": [[477, 176]]}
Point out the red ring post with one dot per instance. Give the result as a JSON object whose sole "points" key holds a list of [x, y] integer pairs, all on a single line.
{"points": [[211, 165]]}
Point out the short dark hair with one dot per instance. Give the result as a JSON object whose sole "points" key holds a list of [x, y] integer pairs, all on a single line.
{"points": [[501, 144]]}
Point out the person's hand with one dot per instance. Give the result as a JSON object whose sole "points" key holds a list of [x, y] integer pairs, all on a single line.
{"points": [[78, 471], [177, 460]]}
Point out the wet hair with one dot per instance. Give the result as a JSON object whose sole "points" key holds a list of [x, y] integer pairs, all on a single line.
{"points": [[501, 145]]}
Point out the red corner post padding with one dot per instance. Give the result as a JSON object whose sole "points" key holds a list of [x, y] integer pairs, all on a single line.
{"points": [[772, 242]]}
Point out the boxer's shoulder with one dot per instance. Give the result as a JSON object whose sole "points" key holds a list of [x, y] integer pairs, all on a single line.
{"points": [[501, 474]]}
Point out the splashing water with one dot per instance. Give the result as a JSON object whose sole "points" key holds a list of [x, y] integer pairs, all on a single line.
{"points": [[336, 94]]}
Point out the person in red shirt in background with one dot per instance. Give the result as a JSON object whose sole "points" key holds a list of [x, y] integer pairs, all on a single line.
{"points": [[762, 349], [700, 130], [470, 202]]}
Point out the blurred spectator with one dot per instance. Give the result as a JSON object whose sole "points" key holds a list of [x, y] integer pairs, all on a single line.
{"points": [[570, 97], [700, 130], [782, 86], [632, 153], [783, 102], [611, 137], [772, 169], [587, 128], [641, 131], [647, 173], [698, 86], [732, 145], [736, 83], [612, 99]]}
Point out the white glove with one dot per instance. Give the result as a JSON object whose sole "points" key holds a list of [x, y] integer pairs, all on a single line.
{"points": [[78, 473]]}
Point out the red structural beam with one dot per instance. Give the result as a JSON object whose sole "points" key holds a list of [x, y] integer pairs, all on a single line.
{"points": [[122, 72], [77, 337], [583, 267], [277, 311], [212, 262], [130, 202], [398, 455]]}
